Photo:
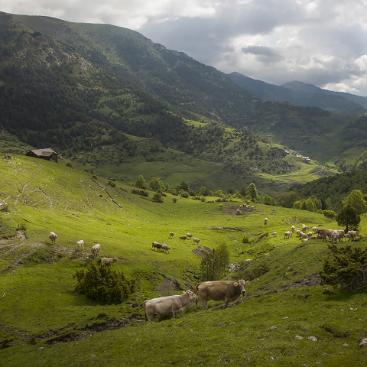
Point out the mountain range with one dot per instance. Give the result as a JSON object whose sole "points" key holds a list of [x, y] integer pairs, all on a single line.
{"points": [[109, 94], [301, 94]]}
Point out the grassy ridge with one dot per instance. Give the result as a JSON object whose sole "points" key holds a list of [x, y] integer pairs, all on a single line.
{"points": [[37, 293]]}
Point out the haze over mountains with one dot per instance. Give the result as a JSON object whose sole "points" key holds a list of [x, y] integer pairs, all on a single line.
{"points": [[302, 94], [85, 87]]}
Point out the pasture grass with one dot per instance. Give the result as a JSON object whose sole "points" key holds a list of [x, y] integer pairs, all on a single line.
{"points": [[37, 295]]}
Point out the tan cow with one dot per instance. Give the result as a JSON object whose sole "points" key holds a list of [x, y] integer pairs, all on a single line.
{"points": [[220, 290], [165, 307]]}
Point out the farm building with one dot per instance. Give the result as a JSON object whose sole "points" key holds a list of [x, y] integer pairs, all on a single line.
{"points": [[46, 153]]}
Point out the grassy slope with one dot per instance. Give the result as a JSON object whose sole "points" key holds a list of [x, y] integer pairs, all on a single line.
{"points": [[38, 296]]}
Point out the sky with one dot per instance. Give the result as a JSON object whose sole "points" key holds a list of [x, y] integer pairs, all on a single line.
{"points": [[322, 42]]}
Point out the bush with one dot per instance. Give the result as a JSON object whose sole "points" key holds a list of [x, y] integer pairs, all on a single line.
{"points": [[329, 214], [253, 272], [101, 283], [215, 264], [157, 198], [184, 194], [140, 192], [345, 268], [174, 200]]}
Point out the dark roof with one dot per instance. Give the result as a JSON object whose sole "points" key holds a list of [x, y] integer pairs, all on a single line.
{"points": [[46, 152]]}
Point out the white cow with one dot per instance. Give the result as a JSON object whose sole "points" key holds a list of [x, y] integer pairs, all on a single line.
{"points": [[165, 307]]}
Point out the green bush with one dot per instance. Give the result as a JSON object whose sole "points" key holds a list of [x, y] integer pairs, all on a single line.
{"points": [[157, 198], [331, 214], [174, 200], [345, 268], [215, 264], [101, 283], [140, 192]]}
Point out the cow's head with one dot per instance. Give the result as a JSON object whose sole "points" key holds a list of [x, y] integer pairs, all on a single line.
{"points": [[191, 294], [241, 284]]}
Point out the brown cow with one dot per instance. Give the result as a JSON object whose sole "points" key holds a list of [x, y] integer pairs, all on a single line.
{"points": [[165, 307], [220, 290]]}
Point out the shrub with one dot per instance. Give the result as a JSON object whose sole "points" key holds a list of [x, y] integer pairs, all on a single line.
{"points": [[157, 198], [215, 264], [101, 283], [140, 192], [345, 268], [140, 182], [184, 194], [174, 200], [329, 214]]}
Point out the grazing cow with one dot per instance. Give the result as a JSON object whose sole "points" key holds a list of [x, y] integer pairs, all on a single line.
{"points": [[171, 235], [314, 229], [196, 240], [287, 235], [165, 248], [189, 235], [160, 246], [274, 234], [107, 261], [184, 237], [95, 250], [293, 229], [336, 235], [156, 245], [323, 234], [80, 244], [266, 220], [303, 235], [353, 235], [220, 290], [53, 237], [165, 307], [304, 228]]}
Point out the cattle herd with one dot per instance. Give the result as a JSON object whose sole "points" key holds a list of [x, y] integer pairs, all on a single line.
{"points": [[221, 290], [332, 235]]}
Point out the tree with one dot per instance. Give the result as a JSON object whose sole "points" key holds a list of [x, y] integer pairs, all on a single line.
{"points": [[348, 217], [183, 186], [356, 200], [252, 192], [140, 182], [346, 268], [203, 191], [214, 265], [157, 185]]}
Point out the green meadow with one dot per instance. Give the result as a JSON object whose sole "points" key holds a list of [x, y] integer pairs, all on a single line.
{"points": [[43, 322]]}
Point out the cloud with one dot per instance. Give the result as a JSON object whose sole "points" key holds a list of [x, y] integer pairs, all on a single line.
{"points": [[266, 55], [323, 42]]}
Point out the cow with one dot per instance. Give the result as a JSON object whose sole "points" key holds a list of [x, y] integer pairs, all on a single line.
{"points": [[220, 290], [287, 235], [171, 235], [165, 248], [80, 244], [266, 220], [156, 245], [323, 234], [293, 229], [95, 250], [53, 237], [107, 261], [183, 237], [196, 240], [166, 307]]}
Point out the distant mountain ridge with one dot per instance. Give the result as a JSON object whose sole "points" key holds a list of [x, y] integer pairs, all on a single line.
{"points": [[301, 94], [85, 87]]}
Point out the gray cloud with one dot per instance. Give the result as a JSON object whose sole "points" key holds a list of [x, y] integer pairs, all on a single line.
{"points": [[266, 55], [323, 42]]}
